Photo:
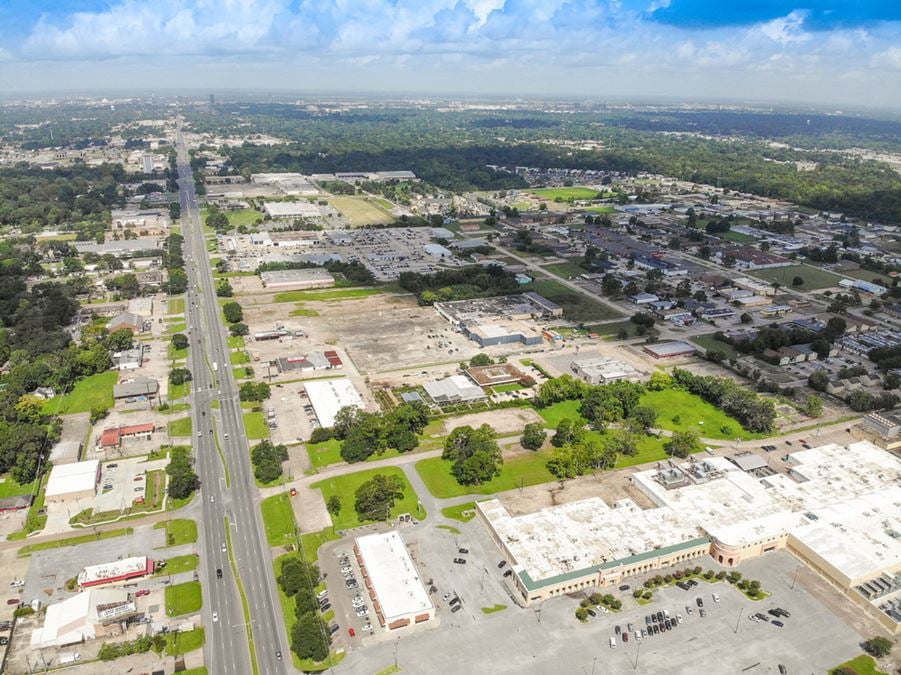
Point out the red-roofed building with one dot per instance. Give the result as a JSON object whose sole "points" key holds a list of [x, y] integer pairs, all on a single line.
{"points": [[112, 438]]}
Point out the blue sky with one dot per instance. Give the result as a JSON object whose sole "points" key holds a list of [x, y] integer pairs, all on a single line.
{"points": [[836, 52]]}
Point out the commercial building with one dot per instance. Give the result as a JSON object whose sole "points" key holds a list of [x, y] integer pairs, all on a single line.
{"points": [[92, 614], [603, 370], [756, 286], [129, 359], [120, 248], [397, 594], [112, 438], [312, 361], [495, 374], [65, 452], [669, 350], [291, 210], [314, 277], [129, 320], [454, 389], [119, 570], [885, 427], [328, 397], [69, 482], [501, 319], [863, 286], [138, 388]]}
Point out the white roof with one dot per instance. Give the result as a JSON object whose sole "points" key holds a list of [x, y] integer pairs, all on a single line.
{"points": [[288, 209], [394, 578], [328, 397], [113, 570], [455, 387], [74, 619], [75, 477]]}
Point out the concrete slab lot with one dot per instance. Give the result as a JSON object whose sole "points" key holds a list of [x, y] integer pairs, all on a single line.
{"points": [[553, 641]]}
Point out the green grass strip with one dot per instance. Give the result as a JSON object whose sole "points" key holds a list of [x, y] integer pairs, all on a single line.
{"points": [[244, 604]]}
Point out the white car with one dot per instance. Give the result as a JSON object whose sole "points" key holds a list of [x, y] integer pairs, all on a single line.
{"points": [[361, 611], [224, 548], [367, 627], [716, 598], [17, 583], [215, 617]]}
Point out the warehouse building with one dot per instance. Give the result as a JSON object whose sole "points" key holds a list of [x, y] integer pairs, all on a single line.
{"points": [[603, 370], [95, 613], [454, 389], [137, 389], [291, 210], [328, 397], [669, 350], [398, 596], [314, 277], [119, 570], [69, 482]]}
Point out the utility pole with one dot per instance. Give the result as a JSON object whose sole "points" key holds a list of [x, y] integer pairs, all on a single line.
{"points": [[738, 620]]}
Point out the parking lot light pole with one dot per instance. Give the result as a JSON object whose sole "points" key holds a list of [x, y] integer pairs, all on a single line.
{"points": [[741, 613], [594, 662]]}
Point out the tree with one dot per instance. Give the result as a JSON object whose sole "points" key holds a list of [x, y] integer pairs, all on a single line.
{"points": [[179, 341], [643, 418], [310, 638], [798, 281], [345, 419], [267, 461], [182, 479], [297, 574], [818, 380], [582, 614], [120, 340], [254, 391], [367, 436], [746, 318], [533, 436], [333, 505], [224, 289], [481, 360], [813, 406], [179, 376], [233, 312], [682, 444], [878, 647], [375, 498], [238, 329], [475, 454], [565, 433]]}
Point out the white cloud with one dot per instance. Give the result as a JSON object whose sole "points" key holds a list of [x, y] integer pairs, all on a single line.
{"points": [[889, 59], [787, 29]]}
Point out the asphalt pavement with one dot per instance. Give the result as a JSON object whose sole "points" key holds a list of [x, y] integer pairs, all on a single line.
{"points": [[227, 648]]}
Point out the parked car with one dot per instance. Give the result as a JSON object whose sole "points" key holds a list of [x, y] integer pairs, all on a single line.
{"points": [[334, 628], [592, 613], [616, 629], [501, 564], [367, 627], [460, 561], [625, 637], [716, 597], [456, 608], [143, 591], [778, 623], [351, 632], [625, 587], [699, 602], [13, 601], [464, 551], [703, 613], [508, 573], [324, 607]]}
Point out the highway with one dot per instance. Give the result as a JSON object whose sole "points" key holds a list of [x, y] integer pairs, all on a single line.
{"points": [[227, 491]]}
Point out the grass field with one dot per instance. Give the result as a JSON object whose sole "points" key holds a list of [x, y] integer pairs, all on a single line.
{"points": [[94, 391], [456, 512], [180, 428], [239, 357], [311, 541], [576, 307], [303, 311], [182, 643], [10, 488], [176, 327], [243, 217], [183, 598], [738, 237], [177, 391], [523, 470], [679, 410], [235, 342], [278, 519], [862, 665], [175, 306], [326, 296], [179, 531], [610, 331], [325, 453], [74, 541], [255, 425], [178, 564], [384, 203], [556, 412], [707, 342], [566, 194], [814, 279], [359, 211], [570, 268], [868, 275], [607, 208], [346, 486]]}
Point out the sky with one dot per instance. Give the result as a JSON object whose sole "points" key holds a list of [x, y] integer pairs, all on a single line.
{"points": [[843, 53]]}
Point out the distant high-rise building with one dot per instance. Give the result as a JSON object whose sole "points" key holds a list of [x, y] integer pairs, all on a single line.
{"points": [[212, 99], [148, 163]]}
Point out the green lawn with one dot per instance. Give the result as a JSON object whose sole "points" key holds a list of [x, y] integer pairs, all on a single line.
{"points": [[384, 203], [176, 327], [738, 237], [183, 598], [576, 307], [278, 519], [177, 565], [74, 541], [94, 391], [814, 278], [235, 341], [862, 665], [868, 275], [504, 388], [239, 358], [179, 531], [255, 425], [570, 268], [175, 306], [177, 391], [325, 453], [523, 470], [558, 411], [177, 354], [612, 330], [566, 194], [180, 428], [10, 488], [323, 296], [606, 208], [303, 311], [311, 541], [707, 342], [359, 211], [493, 609], [678, 410], [346, 486], [243, 217], [456, 512], [182, 643]]}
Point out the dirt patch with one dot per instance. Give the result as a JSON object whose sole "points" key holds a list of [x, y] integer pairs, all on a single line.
{"points": [[504, 421]]}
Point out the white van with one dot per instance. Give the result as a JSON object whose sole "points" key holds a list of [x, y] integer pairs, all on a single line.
{"points": [[612, 643]]}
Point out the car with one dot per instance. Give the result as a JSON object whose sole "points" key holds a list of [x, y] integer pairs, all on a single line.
{"points": [[455, 600], [460, 561], [617, 630], [592, 613], [218, 572], [762, 617], [678, 618], [143, 591], [647, 620], [773, 612], [656, 628], [753, 617], [226, 436], [347, 569], [224, 548], [625, 587], [358, 603], [612, 643], [215, 617], [367, 627], [684, 586], [638, 636], [351, 585], [293, 492], [4, 640], [199, 434], [212, 499], [112, 466], [362, 611], [464, 551], [665, 613], [667, 624], [325, 606], [456, 608], [13, 601], [334, 628], [629, 627], [716, 597], [108, 486], [501, 564], [688, 609], [703, 613], [625, 637], [17, 583], [777, 623], [508, 573], [782, 669], [139, 489], [138, 479], [659, 617], [783, 612], [699, 602], [445, 597]]}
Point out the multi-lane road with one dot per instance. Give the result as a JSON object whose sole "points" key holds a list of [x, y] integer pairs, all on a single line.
{"points": [[228, 489]]}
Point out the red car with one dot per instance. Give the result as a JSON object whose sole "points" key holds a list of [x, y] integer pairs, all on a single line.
{"points": [[143, 591], [350, 631], [13, 601], [293, 492]]}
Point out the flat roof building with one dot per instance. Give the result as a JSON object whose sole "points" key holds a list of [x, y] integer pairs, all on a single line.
{"points": [[454, 389], [328, 397], [94, 613], [603, 369], [314, 277], [494, 374], [119, 570], [669, 350], [113, 437], [72, 481], [140, 387], [291, 209], [395, 588]]}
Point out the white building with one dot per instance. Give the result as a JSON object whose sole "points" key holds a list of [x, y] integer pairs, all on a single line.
{"points": [[291, 210], [94, 613], [72, 481], [454, 389], [603, 369], [314, 277], [118, 570], [328, 397], [397, 594]]}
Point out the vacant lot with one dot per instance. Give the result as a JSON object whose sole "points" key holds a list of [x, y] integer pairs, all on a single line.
{"points": [[360, 212], [95, 391], [570, 268], [255, 425], [183, 598], [707, 342], [179, 531], [566, 194], [576, 307], [556, 412], [278, 519], [325, 296], [814, 279], [327, 452], [519, 471], [679, 410], [345, 488]]}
